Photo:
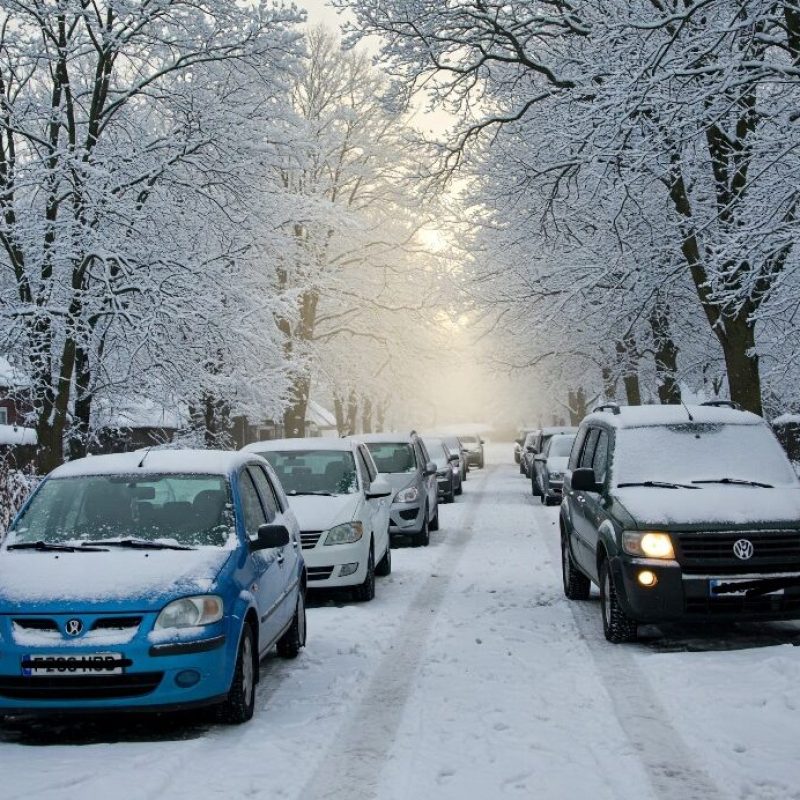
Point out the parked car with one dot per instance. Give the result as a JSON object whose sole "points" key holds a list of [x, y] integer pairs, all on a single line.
{"points": [[529, 452], [342, 506], [519, 444], [474, 449], [680, 514], [448, 476], [403, 460], [453, 444], [549, 467], [538, 443], [149, 581]]}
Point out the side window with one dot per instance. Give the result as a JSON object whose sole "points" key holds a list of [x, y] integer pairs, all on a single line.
{"points": [[367, 475], [265, 490], [422, 456], [588, 449], [600, 459], [252, 511], [577, 447]]}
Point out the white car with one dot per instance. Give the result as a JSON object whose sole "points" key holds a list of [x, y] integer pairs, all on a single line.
{"points": [[342, 506]]}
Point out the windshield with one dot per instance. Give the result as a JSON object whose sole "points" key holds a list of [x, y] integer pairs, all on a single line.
{"points": [[696, 452], [191, 510], [393, 456], [437, 452], [315, 471], [560, 446], [452, 444], [469, 439]]}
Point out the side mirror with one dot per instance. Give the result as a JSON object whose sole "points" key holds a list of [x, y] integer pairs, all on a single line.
{"points": [[430, 468], [270, 537], [480, 441], [379, 488], [583, 480], [530, 449], [540, 457], [454, 457]]}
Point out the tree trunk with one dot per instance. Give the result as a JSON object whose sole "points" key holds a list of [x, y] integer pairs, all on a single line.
{"points": [[380, 420], [626, 351], [366, 416], [338, 409], [294, 418], [666, 356], [741, 361], [352, 412]]}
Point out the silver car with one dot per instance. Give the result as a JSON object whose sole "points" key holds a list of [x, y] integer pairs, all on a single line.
{"points": [[403, 460]]}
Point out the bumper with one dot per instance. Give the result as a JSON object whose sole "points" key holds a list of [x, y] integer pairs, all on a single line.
{"points": [[155, 678], [325, 565], [406, 518], [445, 485], [555, 488], [688, 597], [474, 458]]}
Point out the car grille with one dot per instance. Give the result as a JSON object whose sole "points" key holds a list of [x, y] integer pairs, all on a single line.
{"points": [[309, 539], [319, 573], [408, 513], [35, 624], [773, 551], [80, 687], [100, 624]]}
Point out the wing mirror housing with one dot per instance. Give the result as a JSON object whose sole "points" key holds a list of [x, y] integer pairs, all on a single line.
{"points": [[584, 480], [270, 537], [530, 449], [430, 468], [540, 457], [380, 487], [454, 457]]}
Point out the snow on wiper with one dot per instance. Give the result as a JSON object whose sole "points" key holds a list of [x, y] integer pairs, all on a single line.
{"points": [[295, 493], [55, 547], [738, 482], [139, 544], [658, 485]]}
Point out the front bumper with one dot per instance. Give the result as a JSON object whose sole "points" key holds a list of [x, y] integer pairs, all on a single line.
{"points": [[407, 518], [555, 488], [154, 676], [326, 563], [474, 458], [688, 597]]}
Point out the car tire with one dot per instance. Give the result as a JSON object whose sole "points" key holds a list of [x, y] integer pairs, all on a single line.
{"points": [[384, 567], [460, 489], [434, 524], [365, 591], [239, 705], [480, 463], [618, 627], [576, 585], [535, 487], [423, 538], [293, 641], [521, 468], [450, 497]]}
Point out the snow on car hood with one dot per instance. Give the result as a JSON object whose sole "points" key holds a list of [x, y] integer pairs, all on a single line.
{"points": [[318, 513], [137, 580], [716, 505], [557, 463], [399, 480]]}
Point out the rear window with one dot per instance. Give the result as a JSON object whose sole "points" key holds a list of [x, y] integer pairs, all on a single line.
{"points": [[393, 456]]}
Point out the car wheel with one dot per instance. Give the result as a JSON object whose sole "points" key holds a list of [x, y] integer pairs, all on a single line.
{"points": [[423, 538], [576, 585], [460, 489], [535, 486], [480, 463], [290, 644], [434, 526], [521, 468], [238, 707], [617, 625], [366, 591], [384, 567]]}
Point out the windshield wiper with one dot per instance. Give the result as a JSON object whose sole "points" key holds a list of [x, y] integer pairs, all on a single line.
{"points": [[55, 547], [658, 485], [295, 493], [140, 544], [738, 482]]}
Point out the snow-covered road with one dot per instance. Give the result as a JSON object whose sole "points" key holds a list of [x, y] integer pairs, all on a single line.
{"points": [[470, 676]]}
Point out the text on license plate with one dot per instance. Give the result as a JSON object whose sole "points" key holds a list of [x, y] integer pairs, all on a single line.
{"points": [[78, 664], [713, 584]]}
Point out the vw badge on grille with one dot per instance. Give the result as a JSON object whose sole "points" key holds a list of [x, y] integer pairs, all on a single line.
{"points": [[73, 627], [743, 549]]}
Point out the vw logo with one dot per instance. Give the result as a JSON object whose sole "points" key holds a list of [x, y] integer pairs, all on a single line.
{"points": [[73, 627], [743, 549]]}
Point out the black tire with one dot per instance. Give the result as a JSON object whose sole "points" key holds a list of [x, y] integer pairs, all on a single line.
{"points": [[423, 538], [365, 591], [450, 497], [521, 467], [480, 463], [460, 489], [240, 703], [535, 486], [434, 524], [576, 585], [384, 567], [618, 627], [293, 641]]}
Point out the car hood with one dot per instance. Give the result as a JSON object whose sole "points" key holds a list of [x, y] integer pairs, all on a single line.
{"points": [[557, 464], [718, 506], [131, 580], [318, 513], [399, 480]]}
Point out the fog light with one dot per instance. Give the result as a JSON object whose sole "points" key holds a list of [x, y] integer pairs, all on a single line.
{"points": [[647, 578], [348, 569], [187, 678]]}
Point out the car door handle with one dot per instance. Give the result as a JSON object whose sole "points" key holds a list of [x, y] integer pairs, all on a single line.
{"points": [[294, 543], [580, 498], [281, 558]]}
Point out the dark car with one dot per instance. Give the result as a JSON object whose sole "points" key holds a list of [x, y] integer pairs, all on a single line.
{"points": [[538, 442], [529, 452], [453, 444], [547, 473], [680, 513], [448, 477], [473, 446]]}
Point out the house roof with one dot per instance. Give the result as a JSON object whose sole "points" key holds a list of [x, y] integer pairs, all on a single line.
{"points": [[320, 415], [12, 377]]}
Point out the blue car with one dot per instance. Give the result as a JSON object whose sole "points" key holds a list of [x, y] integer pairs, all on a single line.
{"points": [[151, 580]]}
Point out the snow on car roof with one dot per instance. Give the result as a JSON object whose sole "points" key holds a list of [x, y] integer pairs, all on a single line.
{"points": [[203, 462], [552, 430], [309, 443], [645, 416], [392, 436]]}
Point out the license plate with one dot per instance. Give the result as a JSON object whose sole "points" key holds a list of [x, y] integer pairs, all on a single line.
{"points": [[712, 584], [80, 664]]}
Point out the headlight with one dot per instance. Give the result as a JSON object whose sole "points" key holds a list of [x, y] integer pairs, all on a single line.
{"points": [[556, 476], [346, 533], [653, 544], [189, 612], [408, 495], [456, 469]]}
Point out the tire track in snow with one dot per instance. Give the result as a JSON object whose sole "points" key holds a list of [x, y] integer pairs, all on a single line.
{"points": [[666, 757], [355, 758]]}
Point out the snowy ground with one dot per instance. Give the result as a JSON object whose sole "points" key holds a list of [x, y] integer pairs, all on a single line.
{"points": [[470, 676]]}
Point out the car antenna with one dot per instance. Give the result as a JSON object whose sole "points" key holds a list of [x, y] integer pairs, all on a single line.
{"points": [[146, 453], [688, 413]]}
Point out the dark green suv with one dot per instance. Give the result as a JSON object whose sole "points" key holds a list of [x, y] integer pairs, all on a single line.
{"points": [[680, 513]]}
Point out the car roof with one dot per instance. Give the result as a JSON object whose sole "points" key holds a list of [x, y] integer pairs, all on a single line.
{"points": [[386, 437], [655, 415], [554, 429], [308, 443], [157, 462]]}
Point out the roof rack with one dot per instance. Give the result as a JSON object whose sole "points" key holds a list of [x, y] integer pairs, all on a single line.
{"points": [[722, 404], [612, 407]]}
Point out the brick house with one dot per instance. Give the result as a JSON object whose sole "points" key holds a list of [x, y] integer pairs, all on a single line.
{"points": [[15, 394]]}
